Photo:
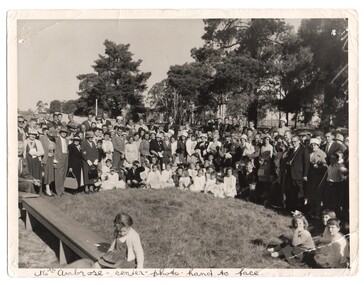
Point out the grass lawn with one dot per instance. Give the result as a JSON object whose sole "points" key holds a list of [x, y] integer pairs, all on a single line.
{"points": [[185, 229]]}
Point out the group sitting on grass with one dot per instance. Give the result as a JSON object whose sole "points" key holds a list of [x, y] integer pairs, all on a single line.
{"points": [[328, 250]]}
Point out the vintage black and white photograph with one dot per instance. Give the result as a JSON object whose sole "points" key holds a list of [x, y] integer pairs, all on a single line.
{"points": [[186, 144]]}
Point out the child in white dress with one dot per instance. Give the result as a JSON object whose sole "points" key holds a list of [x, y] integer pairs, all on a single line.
{"points": [[185, 181], [218, 189], [166, 177], [192, 171], [210, 181], [229, 184], [154, 177], [112, 181], [107, 146], [198, 182]]}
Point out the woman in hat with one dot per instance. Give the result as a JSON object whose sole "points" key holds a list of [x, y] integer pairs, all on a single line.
{"points": [[167, 153], [156, 146], [266, 148], [90, 156], [33, 152], [75, 164], [214, 146], [61, 160], [181, 147], [315, 175], [144, 148], [49, 146], [283, 127]]}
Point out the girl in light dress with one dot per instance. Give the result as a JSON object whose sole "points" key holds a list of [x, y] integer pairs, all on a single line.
{"points": [[192, 171], [299, 246], [229, 184], [131, 151], [166, 178], [112, 181], [210, 182], [198, 182], [154, 177], [185, 181], [107, 146], [218, 188]]}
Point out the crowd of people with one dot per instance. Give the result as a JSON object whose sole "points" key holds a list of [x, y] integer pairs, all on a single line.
{"points": [[278, 167]]}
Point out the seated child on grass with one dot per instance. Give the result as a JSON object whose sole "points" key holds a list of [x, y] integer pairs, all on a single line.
{"points": [[105, 169], [334, 254], [301, 244], [112, 181], [210, 181], [126, 250], [325, 237], [177, 175], [167, 177], [185, 181], [218, 188], [154, 178], [192, 171], [198, 182]]}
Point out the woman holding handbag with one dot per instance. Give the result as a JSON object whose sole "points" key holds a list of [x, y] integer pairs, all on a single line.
{"points": [[75, 165]]}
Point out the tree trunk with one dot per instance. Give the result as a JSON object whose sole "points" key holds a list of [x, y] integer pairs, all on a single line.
{"points": [[295, 120], [253, 113]]}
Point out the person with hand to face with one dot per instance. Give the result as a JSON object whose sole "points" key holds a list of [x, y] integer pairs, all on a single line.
{"points": [[301, 243]]}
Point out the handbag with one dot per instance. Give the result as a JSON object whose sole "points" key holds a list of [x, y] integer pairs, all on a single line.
{"points": [[92, 172], [112, 258], [71, 182]]}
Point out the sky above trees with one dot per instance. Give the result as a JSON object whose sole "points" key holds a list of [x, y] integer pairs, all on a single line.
{"points": [[52, 53]]}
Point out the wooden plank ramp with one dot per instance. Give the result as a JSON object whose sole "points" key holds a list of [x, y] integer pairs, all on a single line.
{"points": [[73, 235]]}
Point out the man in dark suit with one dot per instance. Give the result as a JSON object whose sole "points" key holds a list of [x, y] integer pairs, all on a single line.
{"points": [[226, 127], [90, 156], [297, 172], [331, 146], [104, 119], [89, 121], [21, 132], [171, 125], [133, 178]]}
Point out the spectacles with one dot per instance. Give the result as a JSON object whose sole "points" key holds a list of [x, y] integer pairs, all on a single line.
{"points": [[294, 141], [20, 122]]}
